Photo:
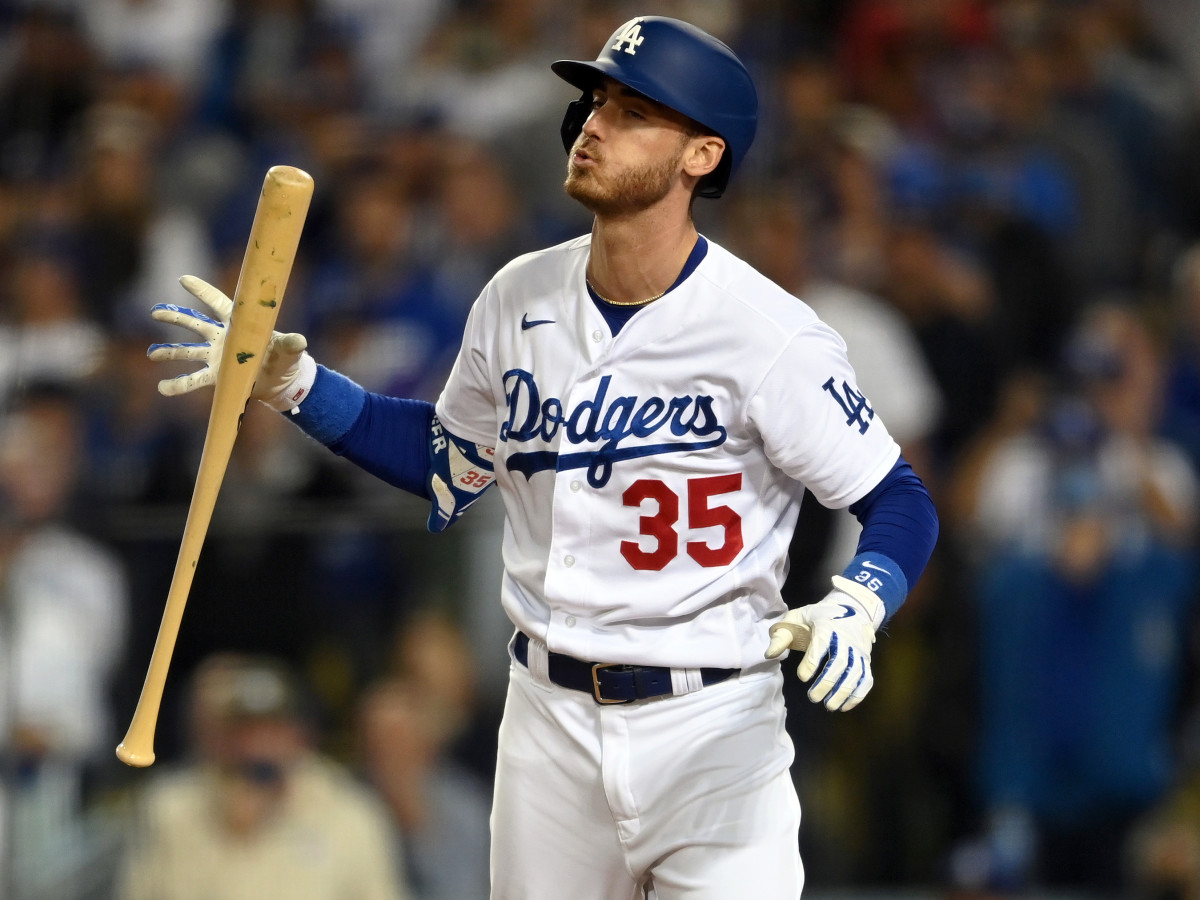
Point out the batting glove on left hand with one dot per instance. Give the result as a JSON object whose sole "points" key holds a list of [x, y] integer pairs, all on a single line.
{"points": [[840, 628], [287, 372]]}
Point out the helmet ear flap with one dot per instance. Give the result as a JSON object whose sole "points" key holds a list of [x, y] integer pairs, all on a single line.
{"points": [[572, 123], [713, 184]]}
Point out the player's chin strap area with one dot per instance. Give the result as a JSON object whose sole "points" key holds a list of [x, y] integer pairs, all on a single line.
{"points": [[610, 683]]}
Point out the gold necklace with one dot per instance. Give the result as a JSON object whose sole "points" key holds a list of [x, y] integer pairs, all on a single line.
{"points": [[622, 302]]}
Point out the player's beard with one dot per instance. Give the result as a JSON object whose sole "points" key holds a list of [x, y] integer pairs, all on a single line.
{"points": [[636, 190]]}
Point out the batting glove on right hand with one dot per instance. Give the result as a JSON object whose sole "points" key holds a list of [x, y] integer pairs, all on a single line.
{"points": [[287, 371], [840, 629]]}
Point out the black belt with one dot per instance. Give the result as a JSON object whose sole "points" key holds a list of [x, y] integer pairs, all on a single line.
{"points": [[611, 682]]}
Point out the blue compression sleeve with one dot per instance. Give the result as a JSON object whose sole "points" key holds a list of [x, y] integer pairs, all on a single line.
{"points": [[330, 408], [390, 439], [386, 436], [900, 524]]}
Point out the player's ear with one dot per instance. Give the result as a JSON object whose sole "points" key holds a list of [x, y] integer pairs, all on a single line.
{"points": [[702, 155]]}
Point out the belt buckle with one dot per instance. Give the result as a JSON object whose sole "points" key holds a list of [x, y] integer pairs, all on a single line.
{"points": [[596, 683]]}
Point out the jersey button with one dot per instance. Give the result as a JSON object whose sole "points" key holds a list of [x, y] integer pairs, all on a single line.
{"points": [[570, 620], [568, 561], [576, 485], [597, 336]]}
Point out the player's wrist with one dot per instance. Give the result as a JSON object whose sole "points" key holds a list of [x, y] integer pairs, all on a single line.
{"points": [[289, 397], [877, 582]]}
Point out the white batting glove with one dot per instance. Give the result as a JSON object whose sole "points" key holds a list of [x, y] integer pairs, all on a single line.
{"points": [[840, 628], [287, 372]]}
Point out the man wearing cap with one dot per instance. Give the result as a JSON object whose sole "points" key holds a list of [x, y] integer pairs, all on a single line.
{"points": [[258, 813]]}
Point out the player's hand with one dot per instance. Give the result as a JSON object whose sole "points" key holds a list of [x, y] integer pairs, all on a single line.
{"points": [[287, 369], [840, 630]]}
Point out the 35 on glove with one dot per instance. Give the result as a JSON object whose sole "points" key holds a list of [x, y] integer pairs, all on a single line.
{"points": [[287, 372], [839, 629]]}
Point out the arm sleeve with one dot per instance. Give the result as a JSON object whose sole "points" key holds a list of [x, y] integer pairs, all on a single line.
{"points": [[391, 440], [900, 526], [386, 436]]}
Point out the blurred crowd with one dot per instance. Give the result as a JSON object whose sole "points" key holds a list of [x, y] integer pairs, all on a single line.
{"points": [[996, 202]]}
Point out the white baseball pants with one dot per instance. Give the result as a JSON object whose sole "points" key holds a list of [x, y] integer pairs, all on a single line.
{"points": [[677, 798]]}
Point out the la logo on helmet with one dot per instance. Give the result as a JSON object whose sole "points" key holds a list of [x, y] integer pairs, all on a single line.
{"points": [[630, 36]]}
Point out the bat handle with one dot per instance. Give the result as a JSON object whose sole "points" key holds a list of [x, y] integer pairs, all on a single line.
{"points": [[799, 635], [137, 749]]}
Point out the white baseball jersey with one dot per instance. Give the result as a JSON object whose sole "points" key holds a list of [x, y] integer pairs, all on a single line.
{"points": [[652, 480]]}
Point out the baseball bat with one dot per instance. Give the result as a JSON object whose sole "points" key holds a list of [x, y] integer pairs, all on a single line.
{"points": [[789, 634], [270, 253]]}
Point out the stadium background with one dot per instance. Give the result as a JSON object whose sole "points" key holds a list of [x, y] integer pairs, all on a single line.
{"points": [[997, 200]]}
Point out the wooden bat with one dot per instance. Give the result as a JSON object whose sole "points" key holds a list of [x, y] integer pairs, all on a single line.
{"points": [[270, 252], [789, 634]]}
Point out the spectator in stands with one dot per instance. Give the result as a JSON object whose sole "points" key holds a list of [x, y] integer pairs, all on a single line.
{"points": [[49, 80], [63, 612], [439, 808], [479, 222], [174, 36], [130, 241], [257, 813], [479, 73], [429, 749], [1082, 529], [374, 298], [47, 333]]}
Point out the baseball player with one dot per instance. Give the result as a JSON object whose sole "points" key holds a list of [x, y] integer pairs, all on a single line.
{"points": [[651, 409]]}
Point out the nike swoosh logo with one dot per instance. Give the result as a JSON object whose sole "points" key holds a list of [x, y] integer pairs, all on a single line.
{"points": [[849, 611], [526, 323], [867, 565]]}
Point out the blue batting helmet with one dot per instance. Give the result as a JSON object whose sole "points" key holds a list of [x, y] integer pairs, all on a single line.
{"points": [[681, 67]]}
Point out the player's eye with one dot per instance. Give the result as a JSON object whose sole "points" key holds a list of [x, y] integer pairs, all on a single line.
{"points": [[597, 102], [634, 114]]}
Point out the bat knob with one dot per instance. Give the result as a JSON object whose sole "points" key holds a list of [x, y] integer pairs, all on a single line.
{"points": [[132, 757], [790, 635]]}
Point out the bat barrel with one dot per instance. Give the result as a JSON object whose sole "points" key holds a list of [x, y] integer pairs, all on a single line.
{"points": [[290, 176]]}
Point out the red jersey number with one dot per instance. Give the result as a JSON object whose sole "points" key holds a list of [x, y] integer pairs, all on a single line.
{"points": [[701, 514]]}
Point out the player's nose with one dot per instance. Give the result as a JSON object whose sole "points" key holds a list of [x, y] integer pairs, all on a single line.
{"points": [[594, 125]]}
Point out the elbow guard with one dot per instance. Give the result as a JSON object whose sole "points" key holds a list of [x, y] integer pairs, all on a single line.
{"points": [[459, 473]]}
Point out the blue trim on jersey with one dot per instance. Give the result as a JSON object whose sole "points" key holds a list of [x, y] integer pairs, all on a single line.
{"points": [[386, 436], [616, 316], [900, 523], [693, 261]]}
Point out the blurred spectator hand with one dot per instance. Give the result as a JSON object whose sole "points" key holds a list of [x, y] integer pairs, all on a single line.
{"points": [[287, 372]]}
